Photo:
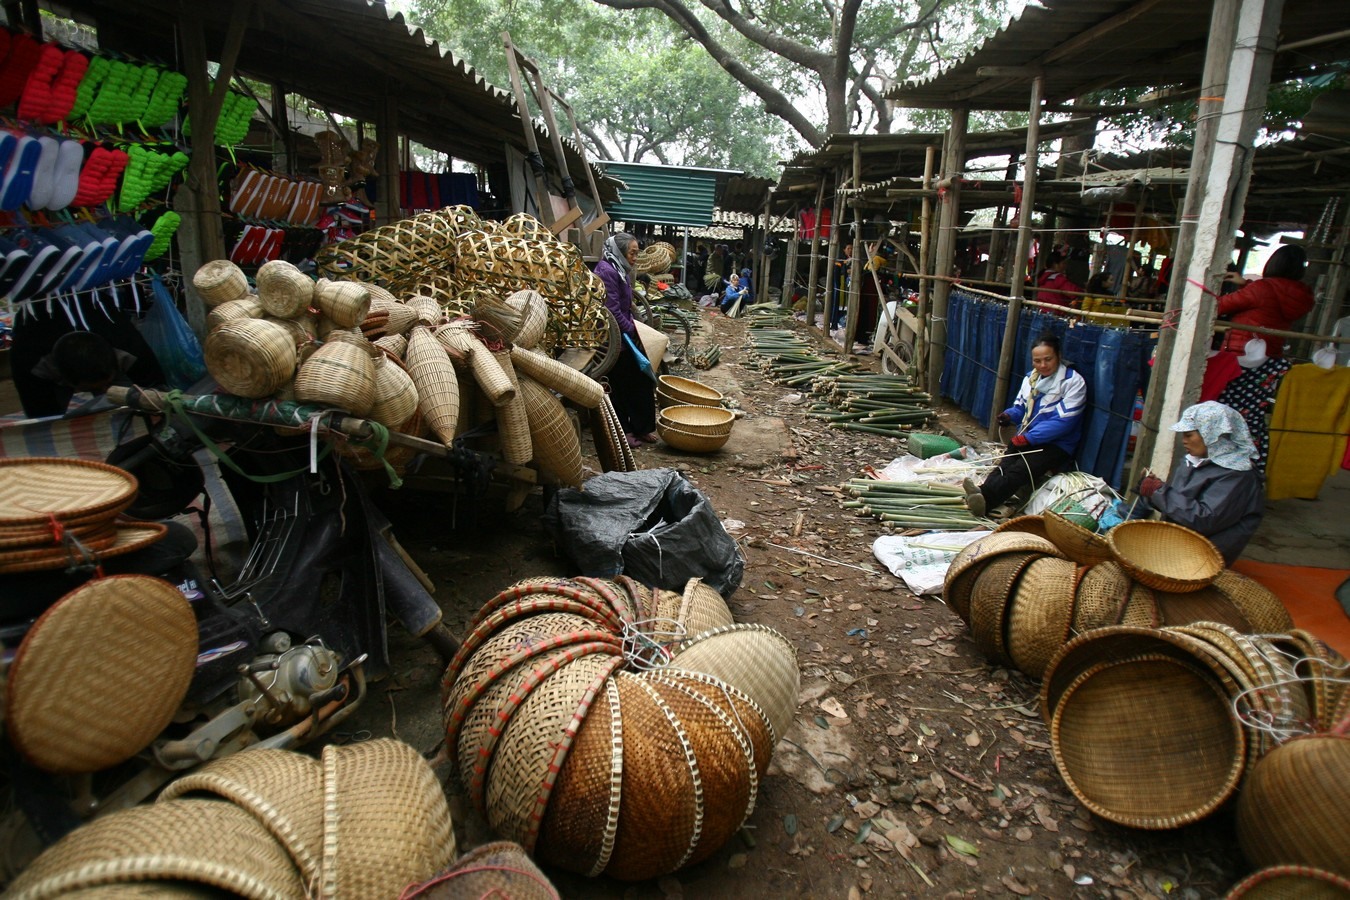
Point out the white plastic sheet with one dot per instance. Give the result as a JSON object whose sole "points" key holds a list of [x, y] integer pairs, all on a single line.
{"points": [[922, 561]]}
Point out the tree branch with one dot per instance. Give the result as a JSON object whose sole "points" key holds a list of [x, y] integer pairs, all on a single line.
{"points": [[795, 52]]}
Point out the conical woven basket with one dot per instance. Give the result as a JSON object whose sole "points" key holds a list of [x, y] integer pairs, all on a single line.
{"points": [[395, 395], [427, 309], [246, 307], [556, 445], [250, 358], [283, 290], [533, 310], [513, 420], [1149, 742], [346, 303], [220, 281], [437, 387], [558, 377], [340, 374], [1041, 613], [487, 372], [1164, 555]]}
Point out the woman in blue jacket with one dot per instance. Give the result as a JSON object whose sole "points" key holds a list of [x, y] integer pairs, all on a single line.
{"points": [[632, 391], [1049, 418]]}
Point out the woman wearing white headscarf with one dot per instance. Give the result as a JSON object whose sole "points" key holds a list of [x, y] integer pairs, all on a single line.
{"points": [[631, 390], [1217, 491]]}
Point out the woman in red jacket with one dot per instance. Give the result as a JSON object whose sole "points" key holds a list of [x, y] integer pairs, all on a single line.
{"points": [[1274, 300]]}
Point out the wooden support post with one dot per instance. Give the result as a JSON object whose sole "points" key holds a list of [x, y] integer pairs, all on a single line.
{"points": [[790, 264], [925, 267], [954, 160], [1333, 291], [542, 201], [386, 132], [1017, 288], [832, 255], [855, 267], [813, 277], [1224, 186], [281, 123], [762, 270]]}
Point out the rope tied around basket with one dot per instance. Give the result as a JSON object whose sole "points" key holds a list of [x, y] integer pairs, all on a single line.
{"points": [[647, 642]]}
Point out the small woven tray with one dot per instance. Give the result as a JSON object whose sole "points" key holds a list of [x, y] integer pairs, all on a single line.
{"points": [[35, 488], [1164, 555]]}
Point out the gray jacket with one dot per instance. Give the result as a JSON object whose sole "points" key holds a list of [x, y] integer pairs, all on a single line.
{"points": [[1225, 505]]}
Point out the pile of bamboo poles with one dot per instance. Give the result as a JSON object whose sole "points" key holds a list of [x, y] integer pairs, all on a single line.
{"points": [[912, 504], [887, 405]]}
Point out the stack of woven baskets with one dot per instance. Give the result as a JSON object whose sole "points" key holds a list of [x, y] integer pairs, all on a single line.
{"points": [[614, 728], [691, 416], [1038, 580], [366, 821], [402, 363]]}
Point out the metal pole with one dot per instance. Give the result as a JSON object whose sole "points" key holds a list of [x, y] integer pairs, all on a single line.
{"points": [[1017, 288], [948, 221]]}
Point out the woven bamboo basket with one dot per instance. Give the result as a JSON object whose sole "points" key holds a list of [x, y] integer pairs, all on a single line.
{"points": [[396, 345], [220, 281], [524, 225], [395, 396], [555, 442], [1204, 605], [1148, 742], [1080, 545], [655, 258], [36, 489], [428, 311], [283, 290], [250, 358], [1141, 609], [643, 772], [487, 372], [533, 311], [710, 420], [1027, 524], [702, 609], [207, 843], [497, 869], [301, 332], [990, 598], [346, 303], [513, 420], [558, 377], [340, 374], [437, 387], [753, 658], [1101, 595], [1285, 882], [1255, 601], [1295, 805], [1164, 555], [964, 569], [1040, 614], [690, 441], [689, 392], [246, 307]]}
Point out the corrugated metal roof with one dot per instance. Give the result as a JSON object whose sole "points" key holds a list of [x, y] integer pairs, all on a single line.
{"points": [[1082, 46], [665, 195], [745, 193], [346, 56]]}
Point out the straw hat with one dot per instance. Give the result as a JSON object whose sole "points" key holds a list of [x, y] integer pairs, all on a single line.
{"points": [[206, 842], [77, 697], [1149, 742], [1164, 555], [1042, 609]]}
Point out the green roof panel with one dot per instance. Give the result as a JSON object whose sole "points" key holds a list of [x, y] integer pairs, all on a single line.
{"points": [[664, 195]]}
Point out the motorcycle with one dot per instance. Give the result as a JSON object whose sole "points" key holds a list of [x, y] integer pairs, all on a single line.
{"points": [[285, 648]]}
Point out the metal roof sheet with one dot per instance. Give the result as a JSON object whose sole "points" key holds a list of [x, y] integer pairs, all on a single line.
{"points": [[665, 195]]}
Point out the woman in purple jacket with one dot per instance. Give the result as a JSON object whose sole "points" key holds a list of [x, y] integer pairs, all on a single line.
{"points": [[630, 389]]}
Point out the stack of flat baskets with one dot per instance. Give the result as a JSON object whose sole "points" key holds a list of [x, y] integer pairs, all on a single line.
{"points": [[697, 429], [672, 390], [614, 728]]}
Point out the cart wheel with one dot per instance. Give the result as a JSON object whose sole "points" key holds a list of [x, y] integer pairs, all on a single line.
{"points": [[605, 357], [906, 354]]}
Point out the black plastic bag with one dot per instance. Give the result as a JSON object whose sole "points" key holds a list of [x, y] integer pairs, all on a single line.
{"points": [[651, 525]]}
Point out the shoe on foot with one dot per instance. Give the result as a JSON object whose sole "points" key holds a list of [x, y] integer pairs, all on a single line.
{"points": [[969, 486], [975, 503]]}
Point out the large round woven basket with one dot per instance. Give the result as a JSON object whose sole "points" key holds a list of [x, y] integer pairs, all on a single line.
{"points": [[650, 763], [497, 869], [688, 392], [220, 281], [1101, 594], [1165, 555], [689, 441], [394, 398], [341, 374], [1080, 545], [709, 420], [250, 357], [1040, 614], [1255, 601], [964, 569], [994, 588], [1291, 883], [1148, 742], [209, 843], [1295, 805], [246, 307], [1203, 605], [1028, 524]]}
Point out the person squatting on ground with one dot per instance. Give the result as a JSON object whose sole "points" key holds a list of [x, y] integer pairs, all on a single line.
{"points": [[1217, 492], [630, 388], [1049, 418], [735, 292]]}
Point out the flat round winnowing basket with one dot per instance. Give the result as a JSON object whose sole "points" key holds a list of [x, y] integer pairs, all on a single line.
{"points": [[753, 658], [1295, 805], [689, 441], [959, 581], [1080, 545], [283, 290], [1027, 524], [205, 842], [220, 281], [1040, 613], [1203, 605], [498, 869], [709, 420], [645, 769], [34, 489], [128, 535], [1287, 882], [1262, 608], [992, 593], [386, 822], [686, 391], [283, 790], [250, 357], [75, 693], [1149, 742], [1164, 555], [556, 445], [246, 307]]}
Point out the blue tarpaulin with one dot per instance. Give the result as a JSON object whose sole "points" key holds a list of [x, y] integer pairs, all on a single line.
{"points": [[1112, 360]]}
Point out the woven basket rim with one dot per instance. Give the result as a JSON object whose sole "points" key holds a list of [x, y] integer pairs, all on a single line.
{"points": [[122, 486], [677, 387], [690, 441], [1302, 873], [710, 420], [1034, 602], [129, 536], [1077, 542], [1152, 571]]}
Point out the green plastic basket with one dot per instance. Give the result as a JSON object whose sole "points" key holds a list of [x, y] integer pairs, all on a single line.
{"points": [[925, 446]]}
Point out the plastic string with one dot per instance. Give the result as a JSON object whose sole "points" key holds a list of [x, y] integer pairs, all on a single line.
{"points": [[643, 648]]}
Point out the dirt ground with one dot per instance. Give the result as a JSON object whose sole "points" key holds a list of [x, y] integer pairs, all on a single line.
{"points": [[902, 723]]}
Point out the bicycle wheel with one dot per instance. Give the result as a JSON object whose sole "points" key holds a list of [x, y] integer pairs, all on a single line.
{"points": [[605, 357], [904, 351], [677, 323]]}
